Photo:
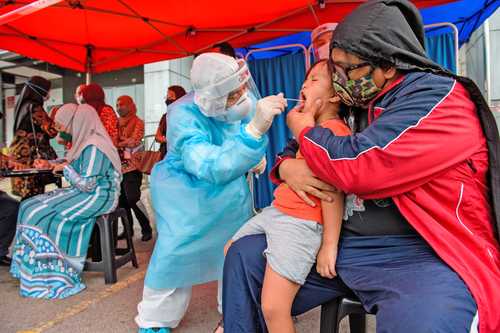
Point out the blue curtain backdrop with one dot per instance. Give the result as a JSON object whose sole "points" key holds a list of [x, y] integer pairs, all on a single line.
{"points": [[280, 74], [441, 49], [286, 74]]}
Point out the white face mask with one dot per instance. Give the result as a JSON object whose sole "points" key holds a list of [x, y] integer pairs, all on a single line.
{"points": [[323, 52], [79, 99], [239, 110]]}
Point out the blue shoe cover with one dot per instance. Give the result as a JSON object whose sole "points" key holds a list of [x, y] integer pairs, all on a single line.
{"points": [[154, 330]]}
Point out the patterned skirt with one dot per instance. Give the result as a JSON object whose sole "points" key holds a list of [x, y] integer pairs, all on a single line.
{"points": [[51, 245]]}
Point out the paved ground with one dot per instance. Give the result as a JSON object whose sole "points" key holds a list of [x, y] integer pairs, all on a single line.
{"points": [[111, 308]]}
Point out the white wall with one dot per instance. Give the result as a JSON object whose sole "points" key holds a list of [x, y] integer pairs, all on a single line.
{"points": [[136, 91], [475, 55], [494, 24], [483, 44], [157, 78], [56, 98]]}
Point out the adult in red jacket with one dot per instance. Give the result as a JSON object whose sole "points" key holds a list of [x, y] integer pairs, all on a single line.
{"points": [[420, 245]]}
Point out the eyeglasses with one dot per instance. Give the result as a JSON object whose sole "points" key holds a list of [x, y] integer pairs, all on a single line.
{"points": [[234, 96], [344, 71]]}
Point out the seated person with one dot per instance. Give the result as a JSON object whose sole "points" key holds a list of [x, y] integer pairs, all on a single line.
{"points": [[8, 218], [296, 233], [423, 255], [54, 229]]}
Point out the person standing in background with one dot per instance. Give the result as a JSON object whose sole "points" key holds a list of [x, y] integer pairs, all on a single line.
{"points": [[93, 94], [173, 94], [78, 94], [131, 133], [33, 130], [320, 40], [8, 218]]}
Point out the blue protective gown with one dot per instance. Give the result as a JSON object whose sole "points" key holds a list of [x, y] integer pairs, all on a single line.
{"points": [[200, 195]]}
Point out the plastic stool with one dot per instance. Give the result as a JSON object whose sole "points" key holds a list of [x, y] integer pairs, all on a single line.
{"points": [[333, 312], [110, 257]]}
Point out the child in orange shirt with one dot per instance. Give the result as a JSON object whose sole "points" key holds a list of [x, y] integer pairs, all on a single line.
{"points": [[298, 234]]}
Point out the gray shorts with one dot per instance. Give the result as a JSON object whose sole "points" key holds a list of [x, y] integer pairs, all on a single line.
{"points": [[292, 243]]}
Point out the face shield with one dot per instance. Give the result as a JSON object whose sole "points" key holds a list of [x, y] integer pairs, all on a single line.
{"points": [[320, 38], [231, 98]]}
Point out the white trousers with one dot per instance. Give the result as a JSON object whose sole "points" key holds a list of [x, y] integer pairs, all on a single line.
{"points": [[166, 307]]}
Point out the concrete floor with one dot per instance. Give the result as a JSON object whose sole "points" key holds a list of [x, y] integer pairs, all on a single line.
{"points": [[111, 308]]}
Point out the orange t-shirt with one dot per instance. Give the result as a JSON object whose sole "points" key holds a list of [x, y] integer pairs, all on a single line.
{"points": [[288, 202]]}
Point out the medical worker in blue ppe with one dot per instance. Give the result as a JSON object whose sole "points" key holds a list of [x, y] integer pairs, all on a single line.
{"points": [[199, 191]]}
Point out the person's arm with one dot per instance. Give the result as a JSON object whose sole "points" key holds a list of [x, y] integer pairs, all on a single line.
{"points": [[110, 122], [42, 119], [214, 163], [290, 151], [300, 179], [423, 132], [160, 136], [137, 135], [332, 213], [92, 166]]}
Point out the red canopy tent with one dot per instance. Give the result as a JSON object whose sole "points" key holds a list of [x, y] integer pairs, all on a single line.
{"points": [[103, 35]]}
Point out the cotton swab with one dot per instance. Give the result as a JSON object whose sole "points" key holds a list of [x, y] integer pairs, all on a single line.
{"points": [[294, 100]]}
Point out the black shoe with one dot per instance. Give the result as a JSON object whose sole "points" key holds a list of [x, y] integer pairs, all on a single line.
{"points": [[5, 261], [147, 236]]}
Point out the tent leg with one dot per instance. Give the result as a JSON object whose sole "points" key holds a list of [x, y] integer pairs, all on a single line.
{"points": [[88, 78], [88, 65]]}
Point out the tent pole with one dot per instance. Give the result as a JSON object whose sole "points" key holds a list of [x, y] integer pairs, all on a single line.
{"points": [[26, 10], [88, 65], [278, 47]]}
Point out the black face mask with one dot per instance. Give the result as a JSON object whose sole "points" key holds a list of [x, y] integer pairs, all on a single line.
{"points": [[123, 112], [169, 101]]}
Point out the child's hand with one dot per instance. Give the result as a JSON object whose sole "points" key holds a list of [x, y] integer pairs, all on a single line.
{"points": [[301, 117], [227, 246], [327, 257]]}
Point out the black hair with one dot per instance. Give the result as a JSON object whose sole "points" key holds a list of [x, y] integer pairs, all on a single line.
{"points": [[226, 48], [313, 66], [343, 110]]}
